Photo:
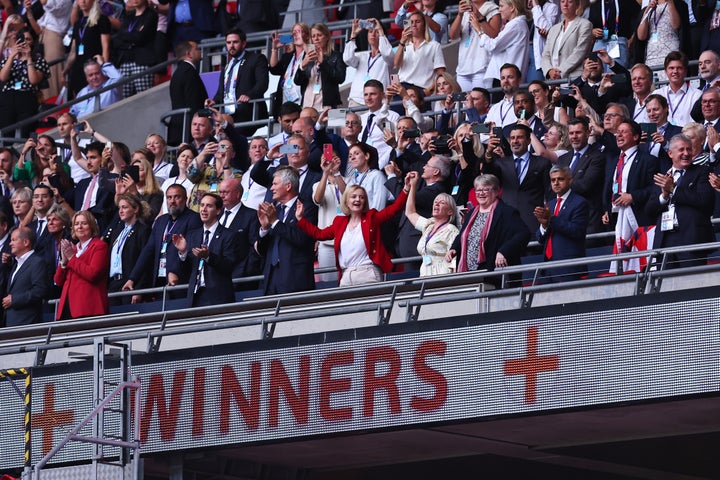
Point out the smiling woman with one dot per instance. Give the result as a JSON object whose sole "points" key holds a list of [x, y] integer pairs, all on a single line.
{"points": [[359, 252]]}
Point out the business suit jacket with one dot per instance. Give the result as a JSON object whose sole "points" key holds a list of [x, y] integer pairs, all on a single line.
{"points": [[508, 235], [246, 227], [84, 281], [332, 74], [664, 160], [538, 129], [371, 222], [252, 80], [640, 185], [187, 90], [694, 199], [294, 272], [29, 289], [218, 267], [41, 241], [408, 236], [262, 173], [576, 43], [104, 208], [588, 179], [149, 258], [567, 230], [132, 248], [527, 195]]}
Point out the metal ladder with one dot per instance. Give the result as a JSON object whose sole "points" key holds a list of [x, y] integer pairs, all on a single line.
{"points": [[115, 429]]}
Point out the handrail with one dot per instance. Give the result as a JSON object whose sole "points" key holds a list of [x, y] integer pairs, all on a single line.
{"points": [[57, 108]]}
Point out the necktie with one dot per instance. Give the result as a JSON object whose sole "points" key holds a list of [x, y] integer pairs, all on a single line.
{"points": [[275, 254], [368, 127], [619, 171], [226, 215], [677, 176], [574, 162], [548, 245], [518, 169], [89, 192], [40, 227], [200, 279], [206, 238], [228, 75]]}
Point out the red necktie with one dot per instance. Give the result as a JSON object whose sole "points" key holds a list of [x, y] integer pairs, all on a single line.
{"points": [[619, 171], [548, 245]]}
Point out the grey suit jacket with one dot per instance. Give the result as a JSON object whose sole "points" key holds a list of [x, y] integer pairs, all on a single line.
{"points": [[575, 44]]}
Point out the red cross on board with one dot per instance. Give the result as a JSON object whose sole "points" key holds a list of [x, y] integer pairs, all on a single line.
{"points": [[531, 365], [48, 419]]}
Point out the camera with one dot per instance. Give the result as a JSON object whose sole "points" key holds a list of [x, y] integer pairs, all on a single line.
{"points": [[459, 97], [441, 144], [411, 133], [80, 127], [481, 128]]}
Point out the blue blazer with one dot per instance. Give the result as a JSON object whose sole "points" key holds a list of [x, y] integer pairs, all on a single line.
{"points": [[29, 289], [294, 272], [149, 258], [567, 230], [218, 267]]}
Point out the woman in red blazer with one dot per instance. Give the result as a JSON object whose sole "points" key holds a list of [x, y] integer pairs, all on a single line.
{"points": [[83, 271], [360, 256]]}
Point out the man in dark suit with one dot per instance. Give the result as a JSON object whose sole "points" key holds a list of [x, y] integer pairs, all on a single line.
{"points": [[96, 193], [587, 166], [242, 220], [524, 106], [213, 252], [196, 22], [262, 173], [159, 255], [656, 144], [641, 83], [43, 198], [563, 223], [525, 178], [629, 181], [434, 175], [187, 90], [245, 78], [288, 251], [682, 203], [27, 281]]}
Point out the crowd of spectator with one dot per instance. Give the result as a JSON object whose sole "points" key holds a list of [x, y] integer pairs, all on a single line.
{"points": [[464, 183]]}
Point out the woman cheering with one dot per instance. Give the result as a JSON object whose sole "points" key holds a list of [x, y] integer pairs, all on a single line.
{"points": [[321, 71], [359, 252]]}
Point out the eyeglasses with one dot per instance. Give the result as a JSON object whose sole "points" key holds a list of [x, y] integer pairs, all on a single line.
{"points": [[709, 101], [611, 115], [352, 124], [484, 190]]}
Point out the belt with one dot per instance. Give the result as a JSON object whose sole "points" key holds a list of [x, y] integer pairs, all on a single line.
{"points": [[119, 276], [189, 23]]}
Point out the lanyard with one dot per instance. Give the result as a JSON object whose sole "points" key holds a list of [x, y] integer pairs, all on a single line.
{"points": [[120, 241], [657, 19], [357, 174], [370, 65], [503, 115], [673, 110], [637, 114], [605, 15], [432, 234], [618, 174], [83, 27], [131, 27], [168, 228]]}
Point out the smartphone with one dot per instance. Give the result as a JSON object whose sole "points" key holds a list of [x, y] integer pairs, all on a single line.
{"points": [[204, 112], [309, 47], [566, 91], [459, 97], [366, 24], [132, 171], [34, 136], [286, 39], [481, 128], [108, 145], [80, 127], [522, 114], [55, 182], [289, 148], [618, 78], [649, 128], [336, 117], [222, 148], [411, 133], [328, 152], [498, 132], [20, 37], [394, 78], [593, 56]]}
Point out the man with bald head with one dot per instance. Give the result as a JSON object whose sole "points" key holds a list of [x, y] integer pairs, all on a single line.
{"points": [[242, 220]]}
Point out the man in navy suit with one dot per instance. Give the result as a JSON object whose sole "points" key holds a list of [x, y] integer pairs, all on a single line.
{"points": [[524, 106], [587, 165], [682, 203], [244, 78], [43, 198], [262, 173], [187, 90], [96, 193], [159, 255], [289, 252], [27, 281], [213, 251], [563, 223], [242, 220], [525, 178], [641, 82]]}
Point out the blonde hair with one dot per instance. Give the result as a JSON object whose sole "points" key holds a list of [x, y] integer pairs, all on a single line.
{"points": [[13, 19], [349, 191], [90, 219], [94, 14], [520, 8], [151, 184], [322, 28], [478, 148], [450, 79], [421, 15]]}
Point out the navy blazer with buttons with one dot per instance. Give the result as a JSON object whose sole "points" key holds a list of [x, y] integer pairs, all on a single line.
{"points": [[567, 230]]}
